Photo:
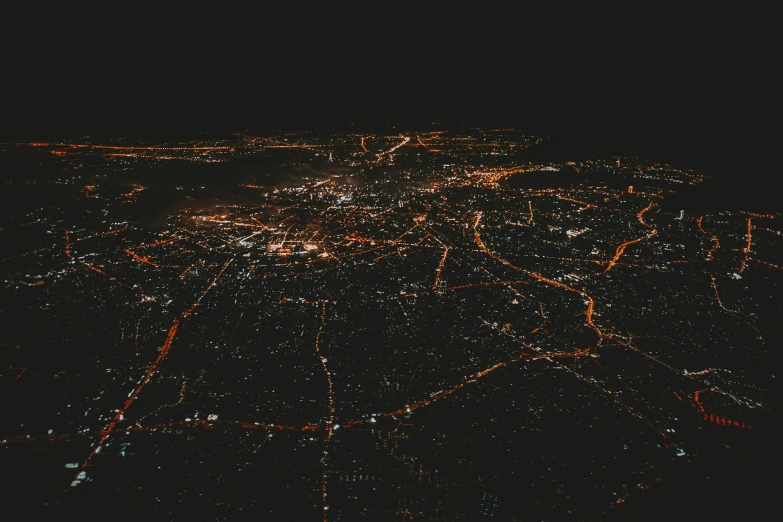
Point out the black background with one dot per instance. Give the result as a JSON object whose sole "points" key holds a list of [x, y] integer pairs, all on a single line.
{"points": [[694, 88]]}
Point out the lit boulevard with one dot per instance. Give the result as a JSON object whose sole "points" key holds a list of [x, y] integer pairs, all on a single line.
{"points": [[622, 247]]}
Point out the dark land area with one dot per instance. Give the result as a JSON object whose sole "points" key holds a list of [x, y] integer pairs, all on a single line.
{"points": [[419, 321]]}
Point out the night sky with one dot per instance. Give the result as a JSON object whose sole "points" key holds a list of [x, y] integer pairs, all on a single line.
{"points": [[693, 88]]}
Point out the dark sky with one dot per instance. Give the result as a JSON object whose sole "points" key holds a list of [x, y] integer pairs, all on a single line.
{"points": [[696, 89]]}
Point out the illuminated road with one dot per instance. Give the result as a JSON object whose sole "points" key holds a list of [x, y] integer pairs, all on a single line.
{"points": [[714, 238], [380, 155], [585, 206], [720, 303], [114, 279], [475, 377], [330, 426], [590, 303], [146, 260], [327, 427], [765, 263], [621, 248], [716, 419], [616, 398], [746, 250], [440, 267], [163, 352], [116, 147], [543, 317]]}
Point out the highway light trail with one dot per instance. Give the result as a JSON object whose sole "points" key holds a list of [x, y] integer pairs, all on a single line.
{"points": [[433, 234], [329, 426], [146, 260], [162, 353], [614, 396], [622, 247], [723, 421], [440, 267], [422, 143], [423, 239], [767, 264], [485, 284], [765, 229], [590, 303], [240, 240], [160, 242], [475, 377], [185, 272], [106, 432], [647, 355], [380, 155], [585, 206], [162, 426], [714, 238], [330, 421], [99, 271], [117, 147], [716, 419], [746, 250], [543, 316], [720, 303]]}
